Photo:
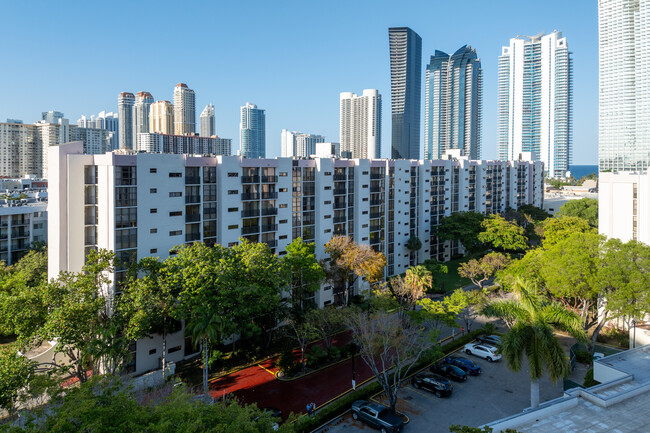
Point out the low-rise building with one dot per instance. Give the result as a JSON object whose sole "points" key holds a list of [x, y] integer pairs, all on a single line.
{"points": [[624, 206]]}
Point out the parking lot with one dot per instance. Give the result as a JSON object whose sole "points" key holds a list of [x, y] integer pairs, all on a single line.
{"points": [[497, 392]]}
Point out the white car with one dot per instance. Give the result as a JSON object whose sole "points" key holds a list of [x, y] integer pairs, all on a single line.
{"points": [[484, 351]]}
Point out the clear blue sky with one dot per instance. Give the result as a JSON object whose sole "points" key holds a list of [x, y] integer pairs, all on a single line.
{"points": [[292, 58]]}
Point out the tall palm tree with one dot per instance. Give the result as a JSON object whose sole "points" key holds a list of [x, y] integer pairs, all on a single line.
{"points": [[204, 325], [532, 320], [419, 276]]}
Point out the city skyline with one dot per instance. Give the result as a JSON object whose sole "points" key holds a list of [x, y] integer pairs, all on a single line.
{"points": [[80, 90]]}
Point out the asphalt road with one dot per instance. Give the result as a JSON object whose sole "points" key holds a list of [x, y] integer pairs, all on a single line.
{"points": [[496, 393]]}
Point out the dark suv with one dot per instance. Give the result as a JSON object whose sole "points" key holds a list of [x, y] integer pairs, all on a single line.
{"points": [[450, 371], [464, 364], [437, 384]]}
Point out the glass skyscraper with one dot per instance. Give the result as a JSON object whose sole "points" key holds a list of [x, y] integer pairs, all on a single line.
{"points": [[252, 132], [405, 82], [624, 85], [453, 103], [536, 101]]}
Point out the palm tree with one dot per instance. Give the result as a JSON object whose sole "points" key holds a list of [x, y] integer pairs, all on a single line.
{"points": [[532, 320], [419, 276], [205, 326]]}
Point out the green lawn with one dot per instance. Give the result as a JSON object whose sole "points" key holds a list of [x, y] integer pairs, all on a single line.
{"points": [[451, 280]]}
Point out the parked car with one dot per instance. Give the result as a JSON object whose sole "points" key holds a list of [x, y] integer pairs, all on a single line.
{"points": [[440, 386], [377, 415], [464, 364], [450, 371], [484, 351], [492, 340]]}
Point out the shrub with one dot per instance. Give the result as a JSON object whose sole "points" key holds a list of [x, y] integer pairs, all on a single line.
{"points": [[583, 356], [216, 359], [316, 355], [286, 362], [589, 379], [334, 353]]}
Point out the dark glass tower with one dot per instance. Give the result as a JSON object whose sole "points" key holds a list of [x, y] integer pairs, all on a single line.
{"points": [[405, 83]]}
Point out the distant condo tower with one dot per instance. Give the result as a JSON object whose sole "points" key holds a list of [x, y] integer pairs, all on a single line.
{"points": [[624, 83], [207, 121], [141, 109], [453, 104], [161, 117], [536, 102], [405, 83], [252, 132], [184, 110], [299, 144], [125, 102], [360, 125]]}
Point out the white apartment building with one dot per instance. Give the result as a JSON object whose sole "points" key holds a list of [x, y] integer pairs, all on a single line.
{"points": [[299, 144], [154, 142], [141, 204], [141, 109], [623, 206], [103, 120], [360, 124], [536, 101], [23, 221], [207, 121]]}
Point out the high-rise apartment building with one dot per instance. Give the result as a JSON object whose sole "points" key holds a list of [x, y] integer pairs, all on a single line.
{"points": [[52, 116], [141, 109], [252, 132], [360, 124], [624, 85], [405, 83], [453, 103], [161, 117], [104, 120], [184, 110], [125, 102], [298, 144], [207, 121], [536, 101]]}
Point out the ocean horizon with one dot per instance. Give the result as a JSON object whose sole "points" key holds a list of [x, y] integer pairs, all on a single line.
{"points": [[579, 171]]}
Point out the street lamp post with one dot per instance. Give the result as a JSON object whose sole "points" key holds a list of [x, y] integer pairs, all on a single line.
{"points": [[353, 347], [634, 334]]}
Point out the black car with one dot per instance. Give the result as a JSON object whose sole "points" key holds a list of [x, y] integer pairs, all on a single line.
{"points": [[450, 371], [435, 383], [377, 415], [464, 364], [492, 340]]}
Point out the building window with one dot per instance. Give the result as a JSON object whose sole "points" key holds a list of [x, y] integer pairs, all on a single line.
{"points": [[152, 231], [364, 239], [364, 226], [176, 213], [233, 209], [153, 190], [283, 206], [283, 237], [153, 170], [152, 352], [231, 174], [232, 244], [327, 217], [233, 227], [153, 251], [174, 349], [283, 174], [175, 232], [365, 172], [364, 199], [174, 174], [328, 202], [283, 221], [232, 192], [328, 231], [282, 190], [327, 188], [365, 212], [153, 210]]}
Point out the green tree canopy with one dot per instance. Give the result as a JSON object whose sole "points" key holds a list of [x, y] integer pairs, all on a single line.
{"points": [[502, 234], [462, 226], [481, 270], [15, 372], [586, 208], [561, 227], [306, 275]]}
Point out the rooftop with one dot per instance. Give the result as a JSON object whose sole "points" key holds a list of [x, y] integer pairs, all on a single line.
{"points": [[619, 404]]}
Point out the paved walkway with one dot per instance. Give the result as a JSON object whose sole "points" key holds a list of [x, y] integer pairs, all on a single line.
{"points": [[258, 384]]}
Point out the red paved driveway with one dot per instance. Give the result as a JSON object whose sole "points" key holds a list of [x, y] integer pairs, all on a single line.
{"points": [[258, 384]]}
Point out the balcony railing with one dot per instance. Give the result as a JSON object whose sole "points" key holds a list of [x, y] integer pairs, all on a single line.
{"points": [[250, 213], [270, 228], [247, 230], [269, 211], [340, 220], [191, 237], [250, 179], [339, 177], [250, 196], [269, 179], [271, 243], [269, 195], [192, 218], [192, 180], [192, 199]]}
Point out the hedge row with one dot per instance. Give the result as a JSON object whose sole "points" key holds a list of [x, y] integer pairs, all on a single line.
{"points": [[339, 406]]}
